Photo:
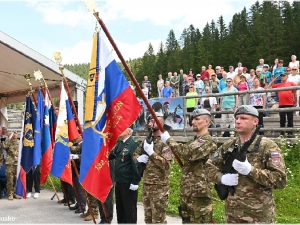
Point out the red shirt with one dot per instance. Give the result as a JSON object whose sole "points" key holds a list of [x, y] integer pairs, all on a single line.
{"points": [[204, 74], [286, 98]]}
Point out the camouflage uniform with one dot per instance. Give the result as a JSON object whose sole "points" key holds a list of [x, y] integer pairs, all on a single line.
{"points": [[93, 203], [253, 201], [12, 147], [156, 181], [195, 192]]}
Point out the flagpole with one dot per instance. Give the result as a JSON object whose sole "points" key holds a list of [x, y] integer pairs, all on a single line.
{"points": [[111, 40], [96, 14], [61, 68]]}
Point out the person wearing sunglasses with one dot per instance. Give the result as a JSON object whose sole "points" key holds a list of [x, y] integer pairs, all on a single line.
{"points": [[229, 103], [287, 99]]}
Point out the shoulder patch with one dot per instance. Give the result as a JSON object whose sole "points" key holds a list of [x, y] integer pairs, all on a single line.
{"points": [[201, 140], [276, 159], [167, 153]]}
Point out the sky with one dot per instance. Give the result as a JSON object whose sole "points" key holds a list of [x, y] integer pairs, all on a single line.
{"points": [[68, 27]]}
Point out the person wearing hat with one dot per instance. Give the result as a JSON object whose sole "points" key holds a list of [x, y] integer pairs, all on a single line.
{"points": [[255, 178], [11, 145], [156, 178], [199, 84], [287, 99], [195, 191], [267, 74]]}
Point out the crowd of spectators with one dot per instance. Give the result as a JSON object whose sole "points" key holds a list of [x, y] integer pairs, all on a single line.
{"points": [[217, 80]]}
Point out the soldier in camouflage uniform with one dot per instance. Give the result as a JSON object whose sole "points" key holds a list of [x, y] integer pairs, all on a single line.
{"points": [[262, 171], [94, 206], [12, 147], [195, 190], [156, 179]]}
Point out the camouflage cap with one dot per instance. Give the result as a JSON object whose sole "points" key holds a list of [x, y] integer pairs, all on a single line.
{"points": [[199, 112], [246, 109]]}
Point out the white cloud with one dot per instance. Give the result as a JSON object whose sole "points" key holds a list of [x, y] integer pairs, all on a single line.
{"points": [[54, 12], [81, 52], [167, 12]]}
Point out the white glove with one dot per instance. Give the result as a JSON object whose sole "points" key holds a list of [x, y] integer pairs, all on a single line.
{"points": [[242, 167], [165, 136], [148, 148], [230, 179], [133, 187], [74, 156], [143, 158]]}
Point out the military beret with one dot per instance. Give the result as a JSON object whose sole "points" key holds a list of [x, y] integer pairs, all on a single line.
{"points": [[246, 109], [199, 112]]}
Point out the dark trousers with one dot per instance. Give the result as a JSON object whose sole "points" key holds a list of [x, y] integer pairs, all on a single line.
{"points": [[289, 115], [109, 207], [33, 176], [69, 191], [260, 117], [126, 201], [78, 187]]}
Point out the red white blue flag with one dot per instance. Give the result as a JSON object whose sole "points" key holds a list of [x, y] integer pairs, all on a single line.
{"points": [[114, 108], [47, 145], [65, 131]]}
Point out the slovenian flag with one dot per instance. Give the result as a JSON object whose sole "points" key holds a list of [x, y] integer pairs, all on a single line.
{"points": [[47, 145], [66, 131], [25, 148], [111, 107]]}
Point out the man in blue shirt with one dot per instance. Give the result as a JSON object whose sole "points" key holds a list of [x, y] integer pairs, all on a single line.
{"points": [[167, 92]]}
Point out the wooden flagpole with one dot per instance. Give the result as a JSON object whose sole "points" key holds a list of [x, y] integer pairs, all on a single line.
{"points": [[111, 40]]}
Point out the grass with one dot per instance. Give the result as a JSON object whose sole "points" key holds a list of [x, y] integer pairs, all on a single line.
{"points": [[287, 200]]}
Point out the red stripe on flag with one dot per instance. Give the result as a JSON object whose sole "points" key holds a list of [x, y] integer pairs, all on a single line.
{"points": [[99, 169], [46, 164], [67, 173]]}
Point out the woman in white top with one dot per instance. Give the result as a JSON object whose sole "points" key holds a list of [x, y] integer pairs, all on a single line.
{"points": [[160, 85], [294, 63], [295, 78]]}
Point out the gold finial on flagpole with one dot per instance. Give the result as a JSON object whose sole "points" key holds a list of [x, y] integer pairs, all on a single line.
{"points": [[58, 60], [91, 5], [39, 76], [27, 77]]}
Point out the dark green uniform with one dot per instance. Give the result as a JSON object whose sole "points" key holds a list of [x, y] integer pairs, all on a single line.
{"points": [[126, 174]]}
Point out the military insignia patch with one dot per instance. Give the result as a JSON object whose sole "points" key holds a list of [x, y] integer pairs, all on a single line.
{"points": [[201, 141], [167, 153], [276, 160]]}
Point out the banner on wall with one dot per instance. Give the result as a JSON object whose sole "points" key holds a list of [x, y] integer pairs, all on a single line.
{"points": [[171, 108]]}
